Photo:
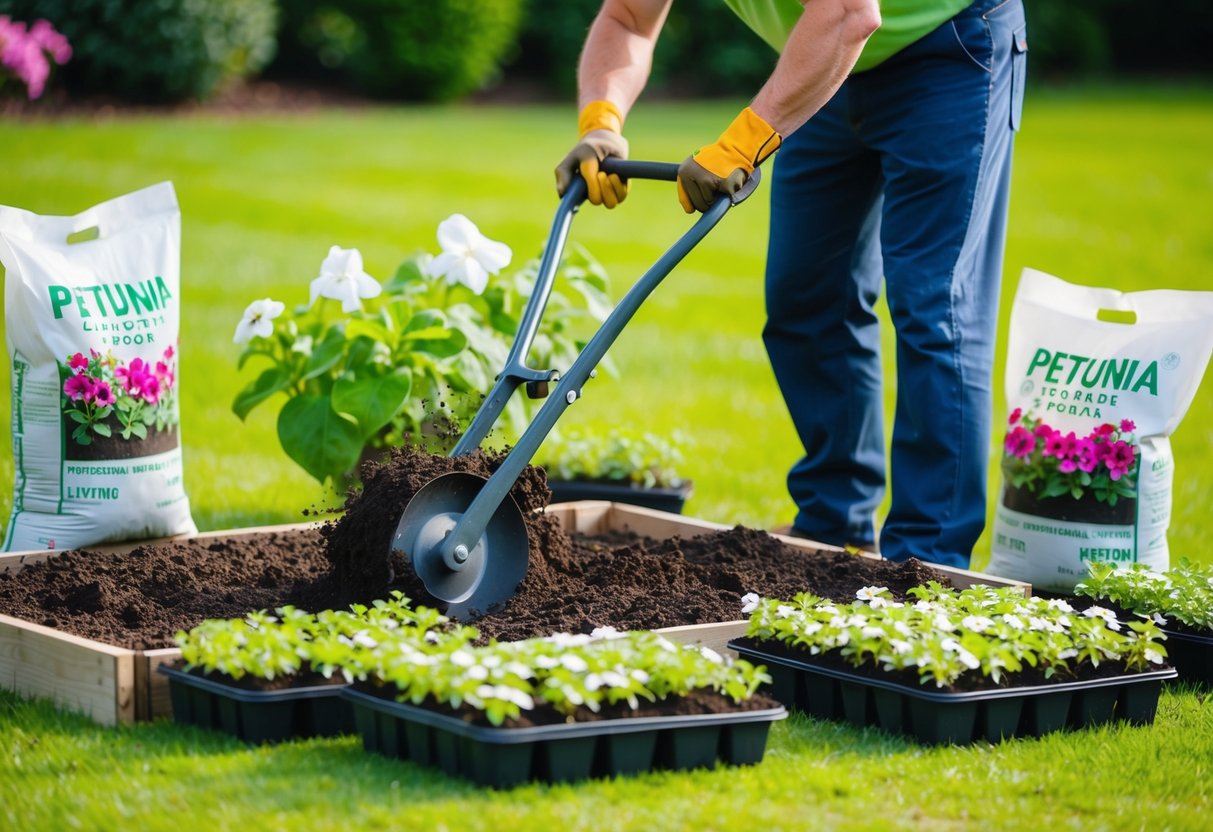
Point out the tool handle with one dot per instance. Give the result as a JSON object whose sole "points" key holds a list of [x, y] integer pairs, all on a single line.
{"points": [[630, 169]]}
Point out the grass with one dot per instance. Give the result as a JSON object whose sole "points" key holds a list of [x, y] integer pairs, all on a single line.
{"points": [[1112, 187], [61, 771]]}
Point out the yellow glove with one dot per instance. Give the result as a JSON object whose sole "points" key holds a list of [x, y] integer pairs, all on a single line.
{"points": [[723, 167], [600, 126]]}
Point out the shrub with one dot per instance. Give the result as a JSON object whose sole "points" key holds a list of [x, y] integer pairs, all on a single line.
{"points": [[168, 50], [438, 50]]}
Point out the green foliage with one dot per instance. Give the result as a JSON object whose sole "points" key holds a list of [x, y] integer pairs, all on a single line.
{"points": [[158, 51], [1182, 593], [946, 634], [412, 364], [433, 51], [647, 460]]}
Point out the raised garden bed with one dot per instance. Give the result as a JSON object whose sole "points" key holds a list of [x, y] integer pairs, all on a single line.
{"points": [[685, 577]]}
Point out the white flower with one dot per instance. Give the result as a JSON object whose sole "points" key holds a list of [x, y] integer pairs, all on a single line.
{"points": [[303, 345], [1060, 604], [477, 672], [342, 278], [258, 320], [784, 611], [462, 658], [574, 663], [1013, 621], [871, 632], [608, 633], [711, 655], [869, 593], [546, 662], [1160, 620], [749, 602], [976, 623], [468, 257], [900, 646], [942, 622], [968, 660], [1153, 656]]}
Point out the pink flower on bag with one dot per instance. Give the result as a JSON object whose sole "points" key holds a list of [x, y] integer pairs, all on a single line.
{"points": [[1015, 414], [103, 394], [78, 362], [1119, 459], [1020, 443], [1086, 454], [165, 373], [1127, 426], [78, 387]]}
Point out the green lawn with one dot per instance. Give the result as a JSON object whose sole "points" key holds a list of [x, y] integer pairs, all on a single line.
{"points": [[1113, 187]]}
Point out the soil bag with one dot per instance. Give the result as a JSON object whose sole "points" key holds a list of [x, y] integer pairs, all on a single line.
{"points": [[1096, 382], [91, 306]]}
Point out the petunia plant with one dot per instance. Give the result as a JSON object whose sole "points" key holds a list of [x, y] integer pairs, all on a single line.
{"points": [[29, 53], [946, 634], [370, 364], [103, 395], [1183, 593], [1048, 462]]}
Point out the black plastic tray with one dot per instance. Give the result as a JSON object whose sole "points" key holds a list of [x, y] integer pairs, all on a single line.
{"points": [[941, 717], [258, 716], [1192, 656], [504, 757]]}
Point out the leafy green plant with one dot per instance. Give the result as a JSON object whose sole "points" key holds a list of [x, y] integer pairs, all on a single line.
{"points": [[566, 672], [946, 634], [1049, 463], [648, 460], [365, 365], [265, 646], [1182, 593]]}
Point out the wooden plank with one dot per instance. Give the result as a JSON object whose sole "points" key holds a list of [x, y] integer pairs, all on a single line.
{"points": [[152, 686], [77, 673], [716, 636]]}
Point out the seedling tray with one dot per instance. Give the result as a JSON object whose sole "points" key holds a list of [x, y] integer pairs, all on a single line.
{"points": [[934, 716], [1192, 656], [258, 716], [504, 757]]}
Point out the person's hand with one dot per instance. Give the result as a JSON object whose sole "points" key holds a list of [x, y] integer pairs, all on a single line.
{"points": [[600, 126], [722, 167]]}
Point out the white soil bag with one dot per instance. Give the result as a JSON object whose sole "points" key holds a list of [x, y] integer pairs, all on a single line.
{"points": [[1096, 382], [91, 307]]}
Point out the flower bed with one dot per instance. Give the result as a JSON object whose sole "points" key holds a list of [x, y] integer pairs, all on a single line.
{"points": [[955, 666], [1179, 600]]}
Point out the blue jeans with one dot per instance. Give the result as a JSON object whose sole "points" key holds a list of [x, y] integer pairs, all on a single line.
{"points": [[904, 174]]}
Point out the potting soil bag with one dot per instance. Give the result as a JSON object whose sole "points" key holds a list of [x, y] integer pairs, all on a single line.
{"points": [[91, 307], [1096, 382]]}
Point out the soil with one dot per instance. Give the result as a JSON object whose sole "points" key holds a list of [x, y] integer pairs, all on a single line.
{"points": [[115, 447], [574, 583]]}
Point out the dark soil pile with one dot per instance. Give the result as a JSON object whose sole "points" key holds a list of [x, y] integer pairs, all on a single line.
{"points": [[573, 584]]}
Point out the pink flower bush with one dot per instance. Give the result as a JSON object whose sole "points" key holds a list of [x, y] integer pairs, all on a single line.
{"points": [[99, 390], [1049, 463], [27, 53]]}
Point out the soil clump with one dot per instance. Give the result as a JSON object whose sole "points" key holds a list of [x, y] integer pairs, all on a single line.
{"points": [[574, 583]]}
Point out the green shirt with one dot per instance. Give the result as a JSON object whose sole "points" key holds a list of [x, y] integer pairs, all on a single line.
{"points": [[902, 23]]}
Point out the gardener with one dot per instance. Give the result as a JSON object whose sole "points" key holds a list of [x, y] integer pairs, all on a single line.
{"points": [[896, 155]]}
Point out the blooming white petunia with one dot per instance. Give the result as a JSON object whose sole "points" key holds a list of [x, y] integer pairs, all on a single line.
{"points": [[749, 602], [303, 344], [342, 278], [467, 257], [869, 593], [258, 320], [976, 623]]}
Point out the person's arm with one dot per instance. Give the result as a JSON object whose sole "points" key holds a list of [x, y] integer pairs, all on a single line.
{"points": [[822, 48], [614, 67]]}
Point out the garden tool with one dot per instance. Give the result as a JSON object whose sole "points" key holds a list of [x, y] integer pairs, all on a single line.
{"points": [[463, 534]]}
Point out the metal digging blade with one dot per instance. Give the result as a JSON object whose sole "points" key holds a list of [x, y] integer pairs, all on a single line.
{"points": [[474, 579]]}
